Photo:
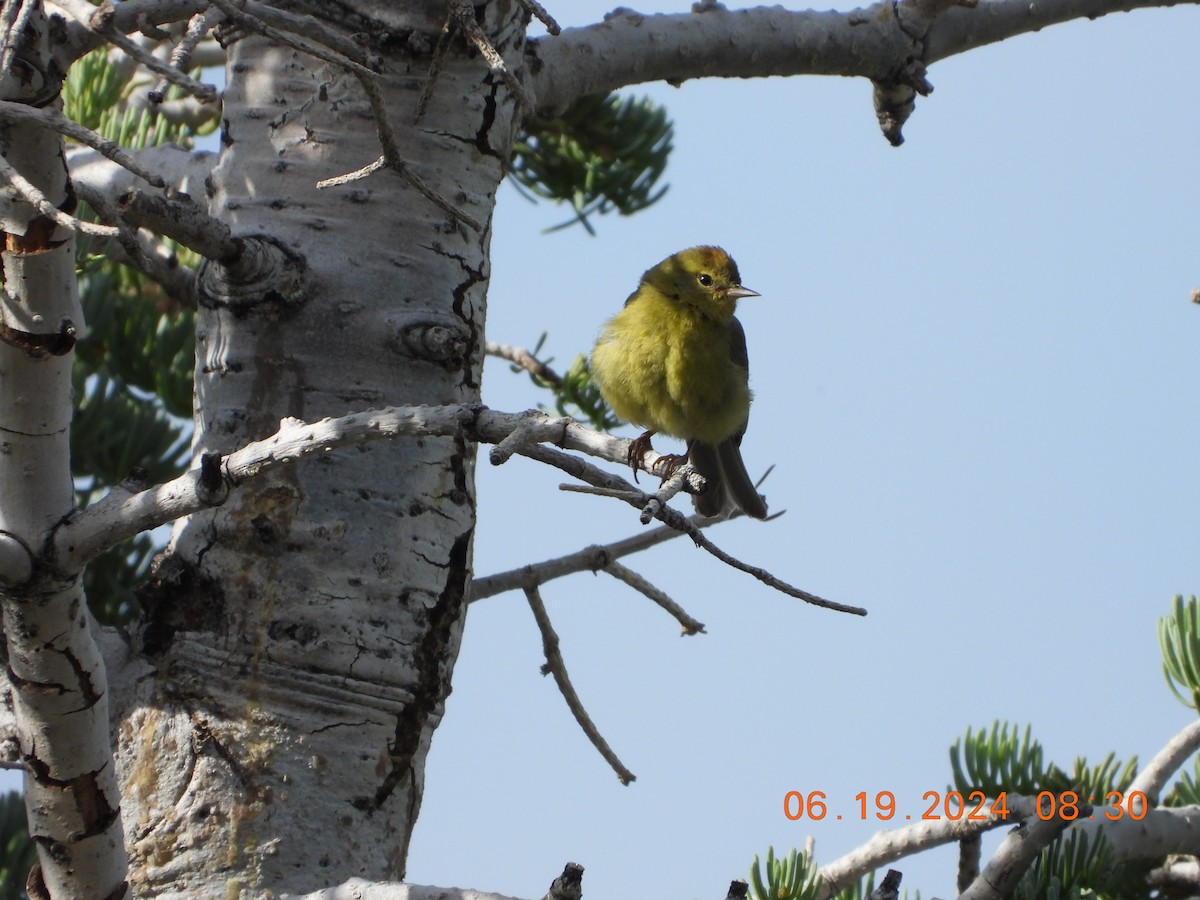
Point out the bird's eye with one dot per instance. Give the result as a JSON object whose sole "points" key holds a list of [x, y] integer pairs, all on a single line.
{"points": [[706, 279]]}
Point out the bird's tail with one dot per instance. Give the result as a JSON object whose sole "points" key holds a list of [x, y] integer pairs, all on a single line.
{"points": [[728, 481]]}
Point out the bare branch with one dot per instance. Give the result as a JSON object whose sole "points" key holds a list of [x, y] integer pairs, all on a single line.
{"points": [[127, 17], [15, 19], [463, 15], [181, 53], [182, 219], [1016, 854], [253, 22], [533, 428], [539, 13], [626, 48], [970, 850], [53, 120], [961, 29], [183, 171], [556, 667], [157, 262], [889, 44], [1178, 877], [596, 558], [589, 559], [1152, 779], [526, 360], [357, 175], [889, 846], [638, 583], [120, 516], [435, 70], [578, 468], [35, 198], [101, 19], [310, 27]]}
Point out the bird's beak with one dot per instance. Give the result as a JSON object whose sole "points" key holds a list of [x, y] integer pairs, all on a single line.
{"points": [[737, 292]]}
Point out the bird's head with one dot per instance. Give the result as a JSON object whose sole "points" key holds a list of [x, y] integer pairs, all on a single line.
{"points": [[705, 278]]}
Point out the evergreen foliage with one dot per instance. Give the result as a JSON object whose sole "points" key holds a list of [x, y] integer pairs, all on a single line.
{"points": [[133, 367], [17, 851]]}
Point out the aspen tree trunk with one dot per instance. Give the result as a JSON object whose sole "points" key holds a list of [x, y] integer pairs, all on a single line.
{"points": [[56, 676], [301, 636]]}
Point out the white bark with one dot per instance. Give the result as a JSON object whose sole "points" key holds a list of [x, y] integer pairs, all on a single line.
{"points": [[880, 42], [275, 709], [57, 679], [304, 632]]}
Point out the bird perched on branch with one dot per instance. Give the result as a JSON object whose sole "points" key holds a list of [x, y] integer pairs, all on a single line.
{"points": [[674, 361]]}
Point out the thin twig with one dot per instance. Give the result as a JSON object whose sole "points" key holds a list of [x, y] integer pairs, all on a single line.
{"points": [[667, 490], [391, 159], [126, 236], [464, 16], [31, 195], [429, 194], [585, 471], [15, 17], [53, 120], [670, 515], [435, 69], [589, 559], [638, 583], [356, 175], [158, 263], [556, 667], [181, 54], [539, 13], [526, 360], [99, 19], [323, 52], [310, 27], [391, 152]]}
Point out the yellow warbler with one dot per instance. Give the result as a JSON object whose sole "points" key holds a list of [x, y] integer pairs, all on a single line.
{"points": [[674, 361]]}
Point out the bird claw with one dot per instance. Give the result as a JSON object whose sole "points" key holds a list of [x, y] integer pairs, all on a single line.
{"points": [[666, 465], [637, 449]]}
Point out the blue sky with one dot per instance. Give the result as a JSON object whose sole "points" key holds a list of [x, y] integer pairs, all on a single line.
{"points": [[975, 371], [974, 362]]}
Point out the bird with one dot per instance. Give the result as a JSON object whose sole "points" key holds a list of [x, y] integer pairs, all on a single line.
{"points": [[674, 362]]}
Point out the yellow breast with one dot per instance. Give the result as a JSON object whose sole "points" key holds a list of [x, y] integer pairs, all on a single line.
{"points": [[668, 368]]}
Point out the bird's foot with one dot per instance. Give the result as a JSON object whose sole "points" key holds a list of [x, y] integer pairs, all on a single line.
{"points": [[666, 465], [637, 449]]}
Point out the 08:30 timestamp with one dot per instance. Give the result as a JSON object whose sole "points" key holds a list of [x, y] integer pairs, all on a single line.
{"points": [[975, 806]]}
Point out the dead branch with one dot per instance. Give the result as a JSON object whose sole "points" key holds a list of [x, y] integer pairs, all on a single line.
{"points": [[556, 667]]}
